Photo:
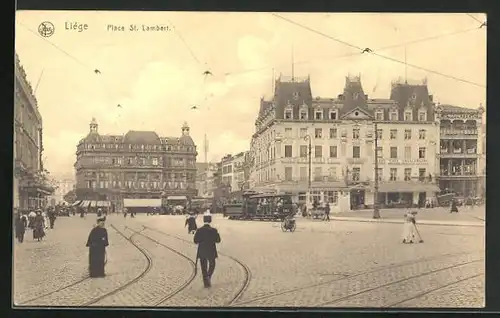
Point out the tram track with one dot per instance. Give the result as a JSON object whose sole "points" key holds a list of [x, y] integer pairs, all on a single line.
{"points": [[348, 277], [246, 270], [399, 281], [88, 278], [427, 292], [186, 283]]}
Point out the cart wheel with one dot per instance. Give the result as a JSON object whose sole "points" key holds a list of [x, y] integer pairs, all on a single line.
{"points": [[283, 228], [292, 229]]}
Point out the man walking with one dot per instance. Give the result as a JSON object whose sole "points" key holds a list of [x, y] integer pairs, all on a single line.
{"points": [[206, 237], [97, 243], [327, 212], [52, 217]]}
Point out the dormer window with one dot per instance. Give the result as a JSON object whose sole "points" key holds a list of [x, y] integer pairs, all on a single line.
{"points": [[318, 114], [422, 115], [393, 115], [303, 114], [379, 114], [414, 96], [296, 95], [355, 96], [288, 114], [408, 115], [289, 103], [333, 115]]}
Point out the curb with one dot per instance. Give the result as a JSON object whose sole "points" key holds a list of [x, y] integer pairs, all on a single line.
{"points": [[401, 222]]}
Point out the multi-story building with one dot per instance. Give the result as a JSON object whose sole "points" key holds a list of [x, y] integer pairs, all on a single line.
{"points": [[205, 181], [234, 173], [138, 165], [63, 186], [462, 152], [30, 187], [338, 136]]}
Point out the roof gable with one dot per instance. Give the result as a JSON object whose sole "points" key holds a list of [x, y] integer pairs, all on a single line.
{"points": [[357, 114]]}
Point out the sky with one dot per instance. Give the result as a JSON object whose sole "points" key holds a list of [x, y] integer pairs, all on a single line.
{"points": [[157, 76]]}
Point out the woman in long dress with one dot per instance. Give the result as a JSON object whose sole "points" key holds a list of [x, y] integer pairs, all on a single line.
{"points": [[409, 228], [191, 223], [97, 243], [38, 227]]}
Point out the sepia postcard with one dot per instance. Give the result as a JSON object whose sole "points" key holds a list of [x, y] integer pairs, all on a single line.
{"points": [[218, 159]]}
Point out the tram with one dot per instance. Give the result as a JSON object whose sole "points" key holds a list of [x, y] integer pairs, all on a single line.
{"points": [[260, 206]]}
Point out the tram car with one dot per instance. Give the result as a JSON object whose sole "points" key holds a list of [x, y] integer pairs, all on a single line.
{"points": [[260, 206]]}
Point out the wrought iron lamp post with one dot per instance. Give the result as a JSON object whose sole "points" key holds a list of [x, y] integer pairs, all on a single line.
{"points": [[376, 211]]}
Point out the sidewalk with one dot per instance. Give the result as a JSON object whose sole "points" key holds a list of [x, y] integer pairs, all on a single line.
{"points": [[419, 222], [436, 216]]}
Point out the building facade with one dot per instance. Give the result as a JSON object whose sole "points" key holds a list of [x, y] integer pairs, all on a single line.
{"points": [[205, 181], [138, 165], [30, 183], [63, 186], [462, 154], [234, 173], [331, 142]]}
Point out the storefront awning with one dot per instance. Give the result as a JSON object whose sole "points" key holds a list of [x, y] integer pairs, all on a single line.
{"points": [[77, 203], [177, 197], [102, 204], [142, 203], [407, 187]]}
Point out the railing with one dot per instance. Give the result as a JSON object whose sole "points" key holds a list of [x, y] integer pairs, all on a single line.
{"points": [[457, 174]]}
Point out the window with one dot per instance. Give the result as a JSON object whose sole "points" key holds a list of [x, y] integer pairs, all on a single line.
{"points": [[318, 151], [303, 151], [318, 173], [288, 114], [303, 114], [407, 134], [414, 96], [333, 151], [408, 116], [318, 115], [421, 134], [380, 152], [393, 115], [356, 152], [422, 115], [303, 173], [333, 133], [333, 115], [394, 174], [421, 153], [302, 132], [355, 133], [356, 174], [421, 174], [379, 115], [332, 197], [394, 133], [155, 161], [296, 95], [288, 173], [318, 133], [407, 153], [380, 174], [288, 151], [394, 152], [380, 134], [332, 173], [407, 174], [288, 132]]}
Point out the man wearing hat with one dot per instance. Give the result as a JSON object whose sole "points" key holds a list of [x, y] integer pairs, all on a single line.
{"points": [[97, 243], [206, 237]]}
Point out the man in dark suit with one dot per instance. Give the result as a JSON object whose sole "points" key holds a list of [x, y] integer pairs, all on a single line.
{"points": [[206, 237]]}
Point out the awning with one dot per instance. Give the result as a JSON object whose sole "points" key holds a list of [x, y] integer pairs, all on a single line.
{"points": [[103, 203], [177, 197], [407, 187], [85, 204], [142, 203], [77, 203]]}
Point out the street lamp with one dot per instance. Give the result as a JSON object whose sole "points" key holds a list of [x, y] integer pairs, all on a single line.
{"points": [[376, 211]]}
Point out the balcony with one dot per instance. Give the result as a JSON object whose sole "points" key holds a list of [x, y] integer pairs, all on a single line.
{"points": [[459, 133], [457, 175], [458, 153], [356, 160]]}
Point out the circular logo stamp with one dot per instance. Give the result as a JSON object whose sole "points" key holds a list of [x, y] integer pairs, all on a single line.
{"points": [[46, 29]]}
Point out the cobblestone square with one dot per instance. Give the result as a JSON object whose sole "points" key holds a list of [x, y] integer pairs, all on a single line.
{"points": [[151, 262]]}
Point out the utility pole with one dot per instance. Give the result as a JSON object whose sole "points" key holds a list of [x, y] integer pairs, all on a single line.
{"points": [[376, 211], [308, 138]]}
